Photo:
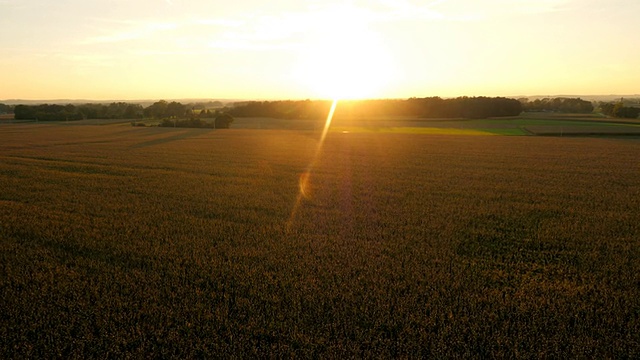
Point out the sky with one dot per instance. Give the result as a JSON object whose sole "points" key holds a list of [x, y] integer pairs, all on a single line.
{"points": [[299, 49]]}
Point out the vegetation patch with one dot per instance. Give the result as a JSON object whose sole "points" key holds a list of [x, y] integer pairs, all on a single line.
{"points": [[410, 130]]}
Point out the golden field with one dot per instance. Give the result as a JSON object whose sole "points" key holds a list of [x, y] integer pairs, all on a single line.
{"points": [[119, 241]]}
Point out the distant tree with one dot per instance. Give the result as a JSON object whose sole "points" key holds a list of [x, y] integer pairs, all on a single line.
{"points": [[133, 111], [176, 109], [619, 110], [24, 112], [607, 108], [70, 113], [6, 109], [94, 111], [156, 110], [115, 110], [626, 112], [223, 121]]}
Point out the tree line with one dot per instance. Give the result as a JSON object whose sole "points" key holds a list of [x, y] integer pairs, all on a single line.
{"points": [[55, 112], [559, 104], [430, 107], [619, 110], [118, 110], [6, 109]]}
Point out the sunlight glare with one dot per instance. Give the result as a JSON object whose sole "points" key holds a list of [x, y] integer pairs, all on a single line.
{"points": [[304, 183], [305, 178], [344, 61]]}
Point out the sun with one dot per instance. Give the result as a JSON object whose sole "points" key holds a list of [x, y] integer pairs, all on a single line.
{"points": [[344, 62]]}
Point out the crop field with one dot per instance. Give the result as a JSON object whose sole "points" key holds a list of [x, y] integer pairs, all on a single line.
{"points": [[528, 124], [119, 241]]}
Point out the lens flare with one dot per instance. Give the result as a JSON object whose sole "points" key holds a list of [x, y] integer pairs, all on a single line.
{"points": [[326, 127], [304, 183]]}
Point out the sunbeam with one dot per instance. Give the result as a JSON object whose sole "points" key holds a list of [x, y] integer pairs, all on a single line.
{"points": [[304, 182]]}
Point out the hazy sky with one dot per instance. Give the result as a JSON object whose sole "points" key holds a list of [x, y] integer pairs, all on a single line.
{"points": [[295, 49]]}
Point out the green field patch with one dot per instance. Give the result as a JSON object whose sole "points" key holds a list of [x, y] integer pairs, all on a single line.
{"points": [[494, 126], [599, 129], [507, 132], [411, 130], [541, 126]]}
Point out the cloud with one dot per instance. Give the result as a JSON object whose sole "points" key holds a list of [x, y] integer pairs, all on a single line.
{"points": [[404, 10], [262, 29], [286, 30], [140, 31], [220, 22], [86, 60], [270, 29], [457, 9], [248, 45]]}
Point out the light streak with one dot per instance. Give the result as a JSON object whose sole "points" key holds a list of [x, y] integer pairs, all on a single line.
{"points": [[304, 183]]}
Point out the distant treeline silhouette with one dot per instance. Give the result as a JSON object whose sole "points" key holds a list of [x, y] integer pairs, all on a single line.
{"points": [[430, 107], [6, 109], [560, 104], [54, 112], [117, 110], [619, 110]]}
